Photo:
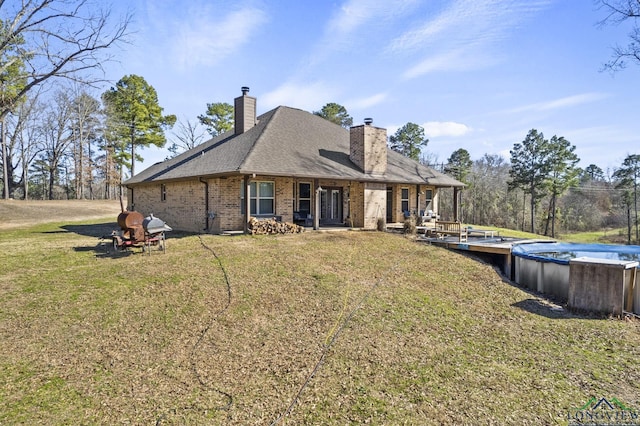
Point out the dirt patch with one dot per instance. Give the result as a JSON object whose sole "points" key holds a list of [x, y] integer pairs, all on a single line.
{"points": [[19, 213]]}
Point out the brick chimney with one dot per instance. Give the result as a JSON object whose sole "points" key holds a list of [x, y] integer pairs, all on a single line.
{"points": [[244, 112], [368, 148]]}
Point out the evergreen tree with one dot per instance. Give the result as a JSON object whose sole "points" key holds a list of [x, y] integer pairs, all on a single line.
{"points": [[459, 165], [530, 168], [409, 140], [627, 178], [136, 115], [218, 119], [337, 114], [593, 172], [563, 174]]}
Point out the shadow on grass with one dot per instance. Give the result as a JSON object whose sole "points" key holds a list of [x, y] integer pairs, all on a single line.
{"points": [[105, 247], [536, 306], [95, 230], [554, 311]]}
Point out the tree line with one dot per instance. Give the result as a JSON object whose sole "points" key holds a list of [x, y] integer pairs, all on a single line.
{"points": [[74, 145], [539, 189], [59, 140], [66, 143]]}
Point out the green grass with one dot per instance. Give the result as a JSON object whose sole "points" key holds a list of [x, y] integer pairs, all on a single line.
{"points": [[400, 333], [606, 236]]}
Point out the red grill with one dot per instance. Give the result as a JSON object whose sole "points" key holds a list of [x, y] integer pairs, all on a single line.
{"points": [[139, 231]]}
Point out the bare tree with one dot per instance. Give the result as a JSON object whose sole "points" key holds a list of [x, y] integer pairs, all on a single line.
{"points": [[619, 11], [41, 39], [85, 127], [187, 136], [25, 142], [55, 127]]}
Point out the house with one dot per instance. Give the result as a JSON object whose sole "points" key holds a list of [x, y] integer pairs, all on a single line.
{"points": [[295, 166]]}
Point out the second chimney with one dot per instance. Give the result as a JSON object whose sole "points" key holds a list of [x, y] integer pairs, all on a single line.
{"points": [[244, 112], [368, 148]]}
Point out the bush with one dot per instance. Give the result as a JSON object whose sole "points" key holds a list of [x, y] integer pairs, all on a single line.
{"points": [[410, 225]]}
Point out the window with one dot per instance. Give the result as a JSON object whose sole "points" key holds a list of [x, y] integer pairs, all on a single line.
{"points": [[404, 202], [304, 197], [163, 192], [429, 199], [261, 198]]}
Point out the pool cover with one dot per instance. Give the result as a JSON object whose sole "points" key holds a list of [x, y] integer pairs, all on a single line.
{"points": [[563, 252]]}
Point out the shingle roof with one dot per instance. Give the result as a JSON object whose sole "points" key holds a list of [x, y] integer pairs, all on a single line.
{"points": [[287, 142]]}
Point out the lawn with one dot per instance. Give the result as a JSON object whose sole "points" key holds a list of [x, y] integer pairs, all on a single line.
{"points": [[315, 328]]}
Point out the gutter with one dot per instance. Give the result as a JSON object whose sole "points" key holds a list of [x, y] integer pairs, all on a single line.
{"points": [[206, 202]]}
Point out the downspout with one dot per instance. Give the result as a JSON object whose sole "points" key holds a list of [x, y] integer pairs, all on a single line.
{"points": [[206, 202], [247, 203]]}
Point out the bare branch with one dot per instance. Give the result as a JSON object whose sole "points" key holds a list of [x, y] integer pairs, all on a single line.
{"points": [[60, 38], [619, 11]]}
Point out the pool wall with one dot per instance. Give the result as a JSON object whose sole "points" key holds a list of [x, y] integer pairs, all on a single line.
{"points": [[544, 277], [602, 286], [589, 283]]}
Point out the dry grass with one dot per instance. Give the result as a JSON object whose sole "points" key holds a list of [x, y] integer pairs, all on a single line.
{"points": [[228, 330], [18, 213]]}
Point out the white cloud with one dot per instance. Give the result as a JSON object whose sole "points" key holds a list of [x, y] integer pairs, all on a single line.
{"points": [[368, 102], [202, 38], [355, 14], [308, 97], [565, 102], [434, 129], [463, 35], [455, 60], [354, 22]]}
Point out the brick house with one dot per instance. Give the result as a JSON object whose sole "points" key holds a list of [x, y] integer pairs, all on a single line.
{"points": [[296, 166]]}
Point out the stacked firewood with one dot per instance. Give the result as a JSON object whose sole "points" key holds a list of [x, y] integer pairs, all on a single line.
{"points": [[271, 226]]}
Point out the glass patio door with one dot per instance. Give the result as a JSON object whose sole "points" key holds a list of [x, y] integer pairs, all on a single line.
{"points": [[331, 206]]}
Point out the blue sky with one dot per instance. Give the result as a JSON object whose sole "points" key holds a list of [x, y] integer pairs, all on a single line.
{"points": [[476, 74]]}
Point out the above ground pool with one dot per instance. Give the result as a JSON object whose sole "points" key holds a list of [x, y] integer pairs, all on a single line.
{"points": [[563, 252], [598, 277]]}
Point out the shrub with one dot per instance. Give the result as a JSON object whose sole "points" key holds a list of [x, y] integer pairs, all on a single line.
{"points": [[410, 225]]}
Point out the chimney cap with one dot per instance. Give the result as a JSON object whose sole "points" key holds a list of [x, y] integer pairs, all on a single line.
{"points": [[245, 90], [368, 121]]}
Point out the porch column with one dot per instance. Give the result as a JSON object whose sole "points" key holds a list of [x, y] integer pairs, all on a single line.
{"points": [[456, 207], [247, 203], [316, 213]]}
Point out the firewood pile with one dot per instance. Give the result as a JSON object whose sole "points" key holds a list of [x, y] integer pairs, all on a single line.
{"points": [[271, 226]]}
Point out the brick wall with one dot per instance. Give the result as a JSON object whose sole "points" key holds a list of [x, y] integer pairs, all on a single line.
{"points": [[183, 208], [375, 204], [368, 149]]}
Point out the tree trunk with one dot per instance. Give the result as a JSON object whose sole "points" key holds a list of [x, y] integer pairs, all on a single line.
{"points": [[553, 217], [546, 224], [533, 213], [635, 206], [133, 152], [5, 161], [51, 181], [25, 181], [524, 208], [628, 225]]}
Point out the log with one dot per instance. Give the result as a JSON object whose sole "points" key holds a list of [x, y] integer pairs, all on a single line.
{"points": [[271, 226]]}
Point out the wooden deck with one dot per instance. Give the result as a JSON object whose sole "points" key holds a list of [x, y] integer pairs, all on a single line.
{"points": [[478, 241]]}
